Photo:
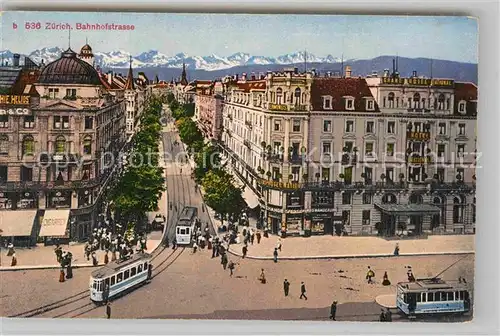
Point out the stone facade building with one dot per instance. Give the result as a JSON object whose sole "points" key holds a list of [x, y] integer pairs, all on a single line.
{"points": [[208, 108], [57, 155], [379, 155]]}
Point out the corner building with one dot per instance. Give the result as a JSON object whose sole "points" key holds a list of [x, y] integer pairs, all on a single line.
{"points": [[56, 161], [376, 156]]}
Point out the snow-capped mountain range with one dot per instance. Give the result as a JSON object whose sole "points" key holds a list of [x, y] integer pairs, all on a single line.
{"points": [[153, 58]]}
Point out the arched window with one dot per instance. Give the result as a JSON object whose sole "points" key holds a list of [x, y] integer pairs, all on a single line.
{"points": [[389, 199], [4, 144], [416, 199], [60, 144], [87, 145], [297, 96], [390, 98], [28, 147], [416, 100], [458, 209], [279, 96]]}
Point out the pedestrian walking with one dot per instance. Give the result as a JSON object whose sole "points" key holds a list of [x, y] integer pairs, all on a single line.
{"points": [[61, 275], [302, 291], [370, 275], [10, 250], [214, 250], [262, 277], [388, 315], [382, 317], [231, 268], [108, 310], [252, 238], [278, 245], [286, 287], [167, 242], [244, 233], [224, 261], [275, 255], [244, 250], [14, 260], [94, 259], [396, 249], [106, 258], [333, 310], [174, 244], [386, 281], [258, 236]]}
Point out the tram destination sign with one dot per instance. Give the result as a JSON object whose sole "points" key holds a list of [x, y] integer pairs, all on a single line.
{"points": [[14, 100]]}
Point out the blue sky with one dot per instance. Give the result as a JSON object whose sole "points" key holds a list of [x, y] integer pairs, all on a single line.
{"points": [[451, 38]]}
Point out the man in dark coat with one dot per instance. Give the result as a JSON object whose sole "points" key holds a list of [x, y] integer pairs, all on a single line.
{"points": [[286, 287], [244, 250], [303, 291], [275, 255], [333, 310], [108, 310], [258, 236]]}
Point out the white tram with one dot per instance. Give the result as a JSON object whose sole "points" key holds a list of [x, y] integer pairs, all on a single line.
{"points": [[432, 297], [186, 225], [119, 276]]}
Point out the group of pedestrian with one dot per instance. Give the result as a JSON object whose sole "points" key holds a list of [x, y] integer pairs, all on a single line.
{"points": [[385, 315], [64, 258]]}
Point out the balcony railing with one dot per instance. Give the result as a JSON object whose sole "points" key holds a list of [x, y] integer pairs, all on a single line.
{"points": [[59, 157], [26, 185], [273, 157], [453, 186], [248, 123], [295, 159]]}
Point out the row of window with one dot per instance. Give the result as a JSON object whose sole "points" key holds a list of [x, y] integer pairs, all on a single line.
{"points": [[26, 173], [28, 145], [54, 93], [349, 103], [439, 296], [59, 122], [122, 276], [441, 102]]}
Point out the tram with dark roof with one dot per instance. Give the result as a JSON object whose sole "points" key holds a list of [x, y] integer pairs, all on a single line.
{"points": [[186, 225], [432, 296], [119, 277]]}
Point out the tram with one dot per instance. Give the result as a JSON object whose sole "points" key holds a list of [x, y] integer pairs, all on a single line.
{"points": [[432, 296], [120, 276], [186, 225]]}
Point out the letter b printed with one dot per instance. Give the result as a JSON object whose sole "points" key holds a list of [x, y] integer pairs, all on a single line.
{"points": [[14, 25]]}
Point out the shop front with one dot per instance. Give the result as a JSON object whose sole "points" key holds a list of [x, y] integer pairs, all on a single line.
{"points": [[321, 223], [59, 199], [27, 200], [274, 221], [293, 225]]}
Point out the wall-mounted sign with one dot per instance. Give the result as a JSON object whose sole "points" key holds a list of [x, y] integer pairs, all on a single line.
{"points": [[279, 185], [14, 100], [417, 81], [419, 159], [278, 107], [418, 136], [15, 111]]}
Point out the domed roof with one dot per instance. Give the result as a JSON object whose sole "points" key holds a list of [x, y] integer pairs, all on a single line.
{"points": [[69, 69], [86, 50]]}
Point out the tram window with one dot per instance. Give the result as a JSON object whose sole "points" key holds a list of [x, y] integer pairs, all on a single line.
{"points": [[424, 297], [139, 269], [145, 266], [183, 231], [461, 295], [430, 297], [450, 296], [178, 230], [418, 297], [437, 296], [95, 285], [119, 277], [133, 271], [99, 285], [106, 282], [112, 280], [187, 231], [127, 273]]}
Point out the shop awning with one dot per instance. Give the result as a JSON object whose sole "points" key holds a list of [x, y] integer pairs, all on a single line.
{"points": [[250, 198], [55, 223], [408, 209], [17, 223]]}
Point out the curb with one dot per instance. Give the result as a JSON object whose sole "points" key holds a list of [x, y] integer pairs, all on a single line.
{"points": [[359, 256]]}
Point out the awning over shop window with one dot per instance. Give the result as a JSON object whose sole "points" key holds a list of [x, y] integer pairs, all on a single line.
{"points": [[250, 198], [55, 223], [408, 209], [17, 223]]}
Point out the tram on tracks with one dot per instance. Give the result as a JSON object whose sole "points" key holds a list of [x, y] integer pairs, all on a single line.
{"points": [[120, 276], [432, 296], [186, 225]]}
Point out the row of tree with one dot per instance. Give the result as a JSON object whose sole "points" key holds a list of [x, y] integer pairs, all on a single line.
{"points": [[221, 192], [141, 183]]}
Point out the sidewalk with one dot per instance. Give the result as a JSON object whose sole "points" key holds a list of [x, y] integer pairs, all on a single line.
{"points": [[334, 247], [43, 257]]}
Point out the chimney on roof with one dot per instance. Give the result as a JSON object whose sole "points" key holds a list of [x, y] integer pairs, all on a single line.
{"points": [[414, 74], [386, 72], [313, 72], [296, 70], [236, 77], [328, 74], [253, 75], [16, 58], [262, 75], [348, 71], [374, 74], [110, 77], [244, 76]]}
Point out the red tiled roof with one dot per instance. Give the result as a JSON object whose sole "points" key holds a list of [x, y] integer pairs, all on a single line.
{"points": [[113, 86], [251, 85], [26, 77], [338, 88]]}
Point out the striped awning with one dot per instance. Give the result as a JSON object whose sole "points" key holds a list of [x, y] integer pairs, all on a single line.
{"points": [[55, 223], [17, 223]]}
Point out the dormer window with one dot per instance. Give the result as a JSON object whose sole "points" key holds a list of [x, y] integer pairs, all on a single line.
{"points": [[327, 102], [370, 105], [349, 103], [462, 107]]}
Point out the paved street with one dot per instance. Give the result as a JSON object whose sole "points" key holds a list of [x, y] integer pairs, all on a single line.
{"points": [[187, 285]]}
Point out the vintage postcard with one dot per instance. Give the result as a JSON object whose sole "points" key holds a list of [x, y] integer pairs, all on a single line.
{"points": [[230, 166]]}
